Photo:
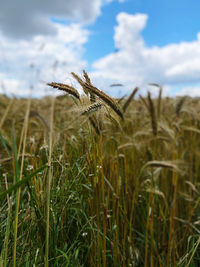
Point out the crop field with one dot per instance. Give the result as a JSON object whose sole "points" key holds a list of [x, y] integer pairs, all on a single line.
{"points": [[89, 180]]}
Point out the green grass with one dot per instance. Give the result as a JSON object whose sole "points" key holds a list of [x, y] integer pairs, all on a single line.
{"points": [[100, 190]]}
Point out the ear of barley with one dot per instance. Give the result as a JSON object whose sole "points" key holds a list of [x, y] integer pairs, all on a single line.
{"points": [[128, 101], [92, 108], [108, 100], [152, 114], [66, 88]]}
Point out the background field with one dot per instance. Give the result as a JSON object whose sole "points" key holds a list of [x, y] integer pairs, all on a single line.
{"points": [[98, 181]]}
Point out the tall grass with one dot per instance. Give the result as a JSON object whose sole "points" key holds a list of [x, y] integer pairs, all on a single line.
{"points": [[115, 185]]}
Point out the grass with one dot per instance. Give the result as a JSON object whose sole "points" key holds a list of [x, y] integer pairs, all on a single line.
{"points": [[93, 181]]}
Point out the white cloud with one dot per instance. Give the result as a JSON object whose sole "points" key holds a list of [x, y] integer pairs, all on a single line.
{"points": [[136, 64], [22, 18], [46, 58], [190, 91]]}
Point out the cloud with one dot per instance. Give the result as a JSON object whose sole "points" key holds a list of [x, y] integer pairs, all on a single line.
{"points": [[136, 64], [190, 91], [24, 19], [43, 58]]}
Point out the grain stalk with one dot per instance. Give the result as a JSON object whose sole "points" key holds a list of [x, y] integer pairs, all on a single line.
{"points": [[49, 179], [20, 178], [6, 113]]}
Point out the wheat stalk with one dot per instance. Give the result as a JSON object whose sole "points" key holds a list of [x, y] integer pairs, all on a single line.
{"points": [[94, 125]]}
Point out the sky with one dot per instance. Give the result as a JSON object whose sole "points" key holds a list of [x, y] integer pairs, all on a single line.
{"points": [[131, 42]]}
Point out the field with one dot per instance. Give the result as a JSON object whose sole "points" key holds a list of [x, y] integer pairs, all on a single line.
{"points": [[95, 181]]}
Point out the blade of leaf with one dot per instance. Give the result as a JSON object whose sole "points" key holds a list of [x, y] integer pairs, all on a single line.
{"points": [[22, 182], [17, 170], [5, 144]]}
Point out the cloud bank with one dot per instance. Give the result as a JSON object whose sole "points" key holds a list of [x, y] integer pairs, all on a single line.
{"points": [[28, 64], [24, 19], [135, 63]]}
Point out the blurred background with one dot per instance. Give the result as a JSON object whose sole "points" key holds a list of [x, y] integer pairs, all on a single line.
{"points": [[123, 43]]}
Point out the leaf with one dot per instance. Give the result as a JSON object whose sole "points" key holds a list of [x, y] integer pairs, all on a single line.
{"points": [[22, 182], [5, 144]]}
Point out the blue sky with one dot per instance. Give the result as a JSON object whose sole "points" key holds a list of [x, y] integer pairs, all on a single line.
{"points": [[168, 22], [132, 42]]}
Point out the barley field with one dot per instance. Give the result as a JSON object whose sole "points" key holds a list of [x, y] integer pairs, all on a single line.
{"points": [[89, 180]]}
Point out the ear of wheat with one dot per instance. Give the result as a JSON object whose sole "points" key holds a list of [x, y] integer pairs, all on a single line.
{"points": [[180, 105], [87, 79], [80, 81], [152, 114], [108, 100], [92, 108], [128, 101], [144, 102], [66, 88], [159, 98]]}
